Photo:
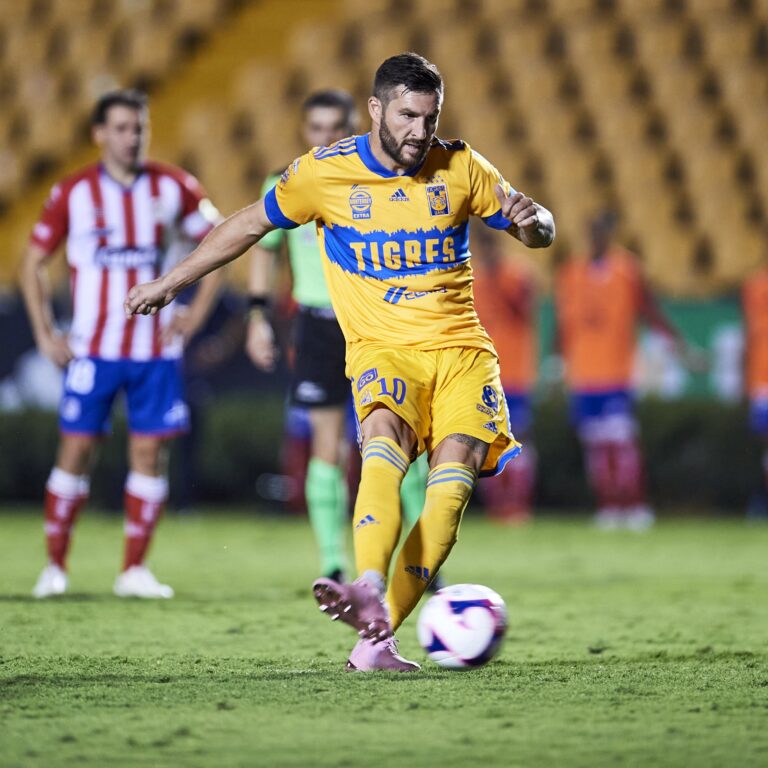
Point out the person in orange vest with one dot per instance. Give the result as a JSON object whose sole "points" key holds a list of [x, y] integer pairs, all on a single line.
{"points": [[755, 307], [505, 300], [600, 297]]}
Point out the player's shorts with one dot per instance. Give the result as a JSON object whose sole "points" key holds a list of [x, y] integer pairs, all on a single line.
{"points": [[520, 411], [154, 396], [437, 393], [318, 376], [758, 415], [297, 424], [604, 415]]}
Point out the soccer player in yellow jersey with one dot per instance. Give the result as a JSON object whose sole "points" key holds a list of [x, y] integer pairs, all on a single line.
{"points": [[392, 210], [320, 387]]}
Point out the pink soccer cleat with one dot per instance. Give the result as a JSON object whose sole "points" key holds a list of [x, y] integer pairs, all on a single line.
{"points": [[358, 604], [370, 655]]}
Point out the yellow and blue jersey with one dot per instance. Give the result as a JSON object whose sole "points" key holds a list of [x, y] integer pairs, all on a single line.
{"points": [[396, 246]]}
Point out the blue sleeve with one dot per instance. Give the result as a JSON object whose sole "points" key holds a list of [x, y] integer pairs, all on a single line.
{"points": [[497, 220], [274, 214]]}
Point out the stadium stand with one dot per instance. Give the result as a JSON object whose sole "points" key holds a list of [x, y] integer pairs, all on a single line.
{"points": [[655, 107]]}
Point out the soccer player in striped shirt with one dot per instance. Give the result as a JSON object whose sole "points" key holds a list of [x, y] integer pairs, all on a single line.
{"points": [[124, 220], [392, 212]]}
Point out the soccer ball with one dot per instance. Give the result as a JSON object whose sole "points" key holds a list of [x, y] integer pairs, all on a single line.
{"points": [[462, 626]]}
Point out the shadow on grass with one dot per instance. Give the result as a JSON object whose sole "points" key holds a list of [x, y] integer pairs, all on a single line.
{"points": [[74, 597], [133, 678], [243, 670]]}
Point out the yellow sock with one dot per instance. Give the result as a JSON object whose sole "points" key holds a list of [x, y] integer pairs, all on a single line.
{"points": [[449, 487], [376, 524]]}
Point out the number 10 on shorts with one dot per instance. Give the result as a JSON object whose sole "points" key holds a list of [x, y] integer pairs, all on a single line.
{"points": [[394, 388]]}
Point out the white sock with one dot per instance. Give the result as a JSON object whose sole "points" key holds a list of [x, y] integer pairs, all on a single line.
{"points": [[146, 487], [375, 579], [65, 484]]}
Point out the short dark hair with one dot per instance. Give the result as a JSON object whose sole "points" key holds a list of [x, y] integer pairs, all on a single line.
{"points": [[124, 98], [410, 70], [335, 98]]}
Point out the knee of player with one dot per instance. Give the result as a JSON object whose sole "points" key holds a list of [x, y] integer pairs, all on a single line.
{"points": [[383, 423], [76, 453], [462, 449], [147, 455]]}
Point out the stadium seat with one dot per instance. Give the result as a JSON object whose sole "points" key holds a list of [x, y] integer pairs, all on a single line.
{"points": [[197, 15], [658, 41], [504, 10], [151, 53], [571, 9], [728, 39], [11, 173]]}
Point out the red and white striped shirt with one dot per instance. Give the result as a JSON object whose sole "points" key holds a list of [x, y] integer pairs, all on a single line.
{"points": [[119, 236]]}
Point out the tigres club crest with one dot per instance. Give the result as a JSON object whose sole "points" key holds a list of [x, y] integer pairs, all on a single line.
{"points": [[437, 197]]}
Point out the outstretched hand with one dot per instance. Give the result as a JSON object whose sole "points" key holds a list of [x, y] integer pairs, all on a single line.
{"points": [[518, 208], [147, 298]]}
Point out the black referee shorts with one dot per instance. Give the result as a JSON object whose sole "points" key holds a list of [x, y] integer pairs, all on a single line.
{"points": [[318, 377]]}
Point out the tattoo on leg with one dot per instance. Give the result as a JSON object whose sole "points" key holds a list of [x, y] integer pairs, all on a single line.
{"points": [[477, 446]]}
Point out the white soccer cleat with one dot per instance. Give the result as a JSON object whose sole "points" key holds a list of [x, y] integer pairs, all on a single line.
{"points": [[608, 519], [139, 581], [52, 581], [639, 518]]}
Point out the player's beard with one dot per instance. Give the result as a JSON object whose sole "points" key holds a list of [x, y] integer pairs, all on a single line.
{"points": [[395, 151]]}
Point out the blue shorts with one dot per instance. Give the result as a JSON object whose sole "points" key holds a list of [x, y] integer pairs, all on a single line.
{"points": [[519, 410], [297, 424], [154, 395], [586, 406], [758, 415]]}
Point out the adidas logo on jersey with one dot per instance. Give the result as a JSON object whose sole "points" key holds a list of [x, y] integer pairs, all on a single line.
{"points": [[399, 196]]}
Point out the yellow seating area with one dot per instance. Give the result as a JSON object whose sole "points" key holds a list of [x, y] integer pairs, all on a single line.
{"points": [[657, 108], [57, 56]]}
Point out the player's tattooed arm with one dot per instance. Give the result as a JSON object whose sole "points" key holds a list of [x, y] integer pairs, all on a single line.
{"points": [[230, 239], [532, 224]]}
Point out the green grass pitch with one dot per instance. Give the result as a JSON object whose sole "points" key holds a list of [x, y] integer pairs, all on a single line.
{"points": [[623, 650]]}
